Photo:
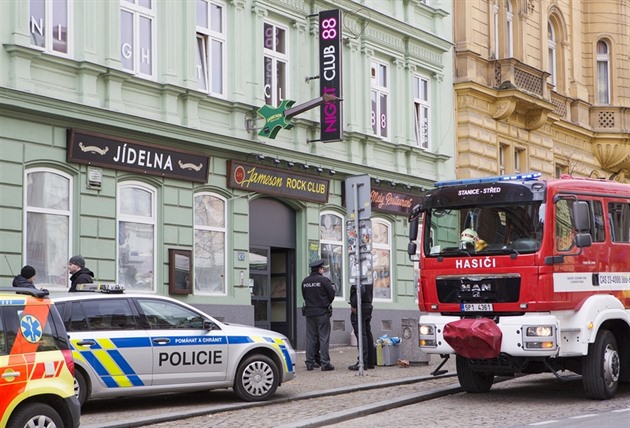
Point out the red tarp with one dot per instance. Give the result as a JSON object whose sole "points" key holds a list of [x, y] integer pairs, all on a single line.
{"points": [[476, 338]]}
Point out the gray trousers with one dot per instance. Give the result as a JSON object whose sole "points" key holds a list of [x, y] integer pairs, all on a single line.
{"points": [[318, 338]]}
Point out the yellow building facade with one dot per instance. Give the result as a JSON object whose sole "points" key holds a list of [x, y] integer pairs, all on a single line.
{"points": [[541, 86]]}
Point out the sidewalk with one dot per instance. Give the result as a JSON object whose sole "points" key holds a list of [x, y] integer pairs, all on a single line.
{"points": [[343, 357]]}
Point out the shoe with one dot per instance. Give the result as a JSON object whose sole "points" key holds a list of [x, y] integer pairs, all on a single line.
{"points": [[310, 367], [328, 368], [354, 367], [370, 367]]}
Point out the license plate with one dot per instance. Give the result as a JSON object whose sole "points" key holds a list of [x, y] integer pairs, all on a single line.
{"points": [[477, 307]]}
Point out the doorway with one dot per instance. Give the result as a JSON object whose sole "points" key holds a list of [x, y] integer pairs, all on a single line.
{"points": [[272, 265]]}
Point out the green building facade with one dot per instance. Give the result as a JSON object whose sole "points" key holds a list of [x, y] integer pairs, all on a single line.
{"points": [[129, 134]]}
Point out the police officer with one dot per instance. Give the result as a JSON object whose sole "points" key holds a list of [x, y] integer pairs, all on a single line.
{"points": [[369, 351], [318, 293]]}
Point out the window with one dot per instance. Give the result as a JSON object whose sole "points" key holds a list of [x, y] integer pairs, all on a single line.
{"points": [[503, 149], [422, 108], [619, 216], [210, 240], [48, 203], [275, 63], [331, 234], [136, 236], [162, 314], [509, 33], [137, 36], [99, 314], [603, 73], [381, 259], [519, 160], [48, 25], [380, 99], [210, 46], [551, 49], [495, 24]]}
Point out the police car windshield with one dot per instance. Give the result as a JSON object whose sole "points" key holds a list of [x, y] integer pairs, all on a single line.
{"points": [[488, 229]]}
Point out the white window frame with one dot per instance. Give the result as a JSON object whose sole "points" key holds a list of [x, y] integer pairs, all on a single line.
{"points": [[603, 79], [422, 107], [138, 12], [509, 34], [63, 282], [45, 27], [271, 95], [207, 69], [552, 53], [495, 21], [215, 229], [379, 89], [388, 247], [152, 221], [342, 245]]}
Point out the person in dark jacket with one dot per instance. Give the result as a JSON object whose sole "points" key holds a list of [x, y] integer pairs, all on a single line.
{"points": [[79, 274], [26, 278], [369, 351], [319, 293]]}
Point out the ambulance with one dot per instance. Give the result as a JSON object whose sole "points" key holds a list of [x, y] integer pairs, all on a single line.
{"points": [[36, 365], [519, 274]]}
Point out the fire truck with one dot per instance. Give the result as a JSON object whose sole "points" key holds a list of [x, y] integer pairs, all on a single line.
{"points": [[539, 282]]}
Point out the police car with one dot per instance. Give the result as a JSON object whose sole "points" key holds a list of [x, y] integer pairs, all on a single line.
{"points": [[36, 366], [138, 344]]}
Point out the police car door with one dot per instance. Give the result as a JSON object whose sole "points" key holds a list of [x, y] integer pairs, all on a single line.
{"points": [[184, 352], [109, 342]]}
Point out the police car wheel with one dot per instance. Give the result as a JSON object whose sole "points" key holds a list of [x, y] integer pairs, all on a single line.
{"points": [[36, 415], [257, 378], [80, 386]]}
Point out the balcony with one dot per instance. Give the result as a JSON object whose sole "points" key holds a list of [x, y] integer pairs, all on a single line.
{"points": [[611, 136]]}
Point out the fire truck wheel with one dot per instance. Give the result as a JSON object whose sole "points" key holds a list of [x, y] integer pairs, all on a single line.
{"points": [[601, 367], [470, 380]]}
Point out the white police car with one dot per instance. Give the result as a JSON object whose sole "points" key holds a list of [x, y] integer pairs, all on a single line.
{"points": [[136, 344]]}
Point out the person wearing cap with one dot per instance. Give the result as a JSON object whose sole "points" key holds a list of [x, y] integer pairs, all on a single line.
{"points": [[79, 274], [318, 293], [470, 238], [26, 278]]}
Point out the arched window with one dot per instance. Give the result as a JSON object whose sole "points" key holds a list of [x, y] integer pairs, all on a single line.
{"points": [[382, 259], [210, 240], [551, 49], [47, 231], [136, 236], [603, 72], [331, 243]]}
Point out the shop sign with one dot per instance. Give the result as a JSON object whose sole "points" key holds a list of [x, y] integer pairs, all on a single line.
{"points": [[330, 74], [134, 156], [274, 181], [392, 202]]}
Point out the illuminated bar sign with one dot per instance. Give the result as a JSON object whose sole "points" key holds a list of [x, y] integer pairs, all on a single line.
{"points": [[143, 158], [392, 202], [274, 181], [330, 76]]}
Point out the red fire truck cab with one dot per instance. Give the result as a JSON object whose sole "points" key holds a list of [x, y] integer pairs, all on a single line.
{"points": [[539, 280]]}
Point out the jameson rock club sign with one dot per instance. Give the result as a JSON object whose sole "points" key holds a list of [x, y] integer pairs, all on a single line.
{"points": [[114, 153], [274, 181]]}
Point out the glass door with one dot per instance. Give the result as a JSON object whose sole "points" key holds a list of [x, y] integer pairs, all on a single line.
{"points": [[260, 285]]}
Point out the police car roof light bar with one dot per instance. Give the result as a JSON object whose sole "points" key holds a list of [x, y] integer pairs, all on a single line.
{"points": [[523, 177]]}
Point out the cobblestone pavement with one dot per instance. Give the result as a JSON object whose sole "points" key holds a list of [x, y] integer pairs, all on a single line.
{"points": [[306, 382]]}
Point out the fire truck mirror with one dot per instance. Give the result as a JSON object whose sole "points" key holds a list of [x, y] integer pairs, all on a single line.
{"points": [[581, 217]]}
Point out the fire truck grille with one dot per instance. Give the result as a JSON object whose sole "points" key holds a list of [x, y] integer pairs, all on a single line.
{"points": [[478, 289]]}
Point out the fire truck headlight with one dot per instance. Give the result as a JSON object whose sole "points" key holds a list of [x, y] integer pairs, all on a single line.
{"points": [[539, 331], [426, 329], [426, 335], [539, 337]]}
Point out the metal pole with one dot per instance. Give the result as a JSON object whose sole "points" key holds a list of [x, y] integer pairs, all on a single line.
{"points": [[357, 254]]}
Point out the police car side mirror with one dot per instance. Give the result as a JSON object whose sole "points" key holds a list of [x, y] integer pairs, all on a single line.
{"points": [[209, 325]]}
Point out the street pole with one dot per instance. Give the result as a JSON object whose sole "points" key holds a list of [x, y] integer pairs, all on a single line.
{"points": [[358, 279]]}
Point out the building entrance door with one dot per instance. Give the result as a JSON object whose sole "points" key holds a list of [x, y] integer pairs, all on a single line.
{"points": [[272, 265]]}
